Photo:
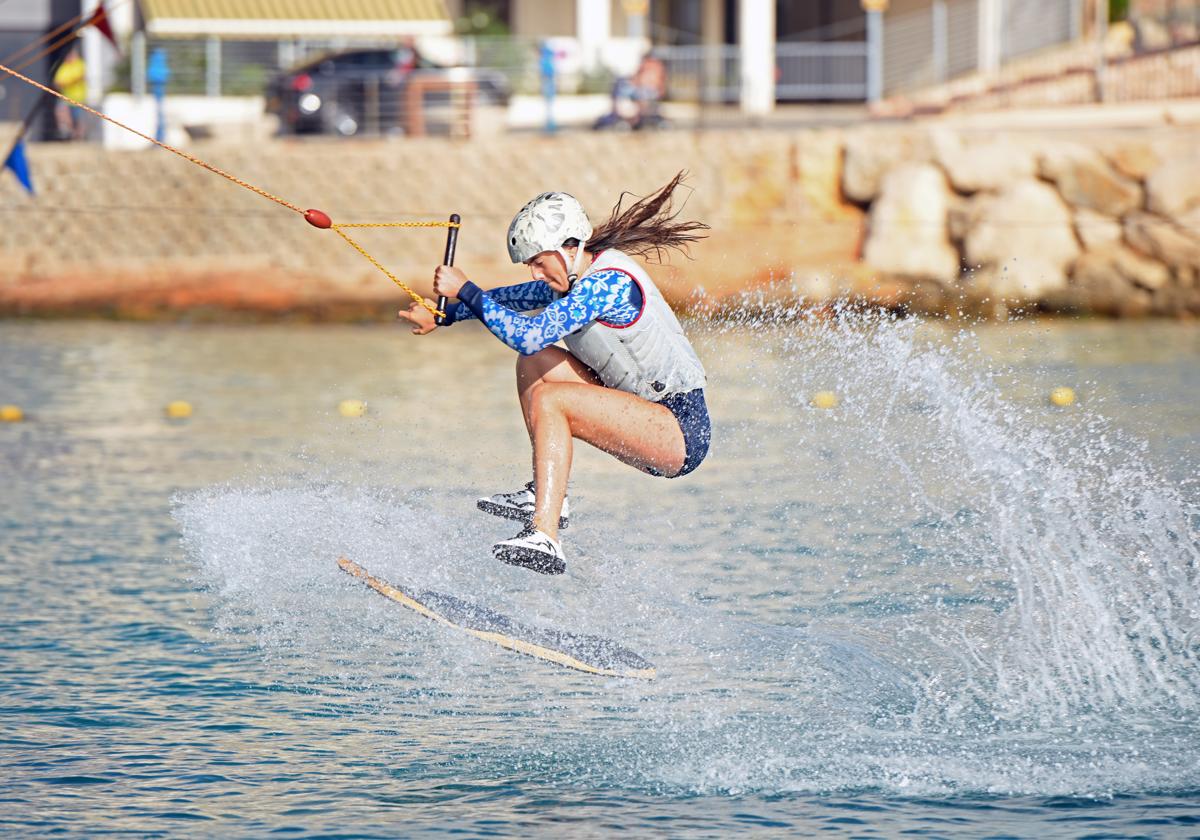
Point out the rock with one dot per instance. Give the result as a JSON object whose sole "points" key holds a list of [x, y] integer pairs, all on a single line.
{"points": [[1149, 34], [758, 187], [1162, 240], [1119, 262], [1085, 180], [990, 166], [958, 218], [1190, 221], [1174, 188], [1141, 271], [1101, 284], [1175, 301], [817, 164], [1118, 41], [1096, 231], [1136, 158], [1022, 239], [869, 155], [907, 226]]}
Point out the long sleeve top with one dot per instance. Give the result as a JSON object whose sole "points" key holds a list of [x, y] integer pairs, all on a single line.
{"points": [[605, 295]]}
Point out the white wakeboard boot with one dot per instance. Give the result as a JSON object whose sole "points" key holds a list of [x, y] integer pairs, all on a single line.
{"points": [[532, 550], [519, 506]]}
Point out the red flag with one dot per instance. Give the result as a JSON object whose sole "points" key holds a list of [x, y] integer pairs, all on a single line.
{"points": [[99, 19]]}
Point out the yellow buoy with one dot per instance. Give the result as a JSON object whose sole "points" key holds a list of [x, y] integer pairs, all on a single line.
{"points": [[1062, 396], [179, 409], [11, 414], [825, 399], [352, 408]]}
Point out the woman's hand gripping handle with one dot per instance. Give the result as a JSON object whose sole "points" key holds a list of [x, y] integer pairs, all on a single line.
{"points": [[451, 244], [446, 283]]}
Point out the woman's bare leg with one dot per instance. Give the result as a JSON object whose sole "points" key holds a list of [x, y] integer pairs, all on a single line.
{"points": [[635, 431], [552, 364]]}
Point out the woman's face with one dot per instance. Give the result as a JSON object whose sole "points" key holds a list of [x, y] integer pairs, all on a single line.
{"points": [[549, 267]]}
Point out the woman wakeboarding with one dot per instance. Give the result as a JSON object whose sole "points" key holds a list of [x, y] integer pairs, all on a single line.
{"points": [[628, 382]]}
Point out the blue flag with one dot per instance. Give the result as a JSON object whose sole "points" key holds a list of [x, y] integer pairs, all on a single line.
{"points": [[20, 166]]}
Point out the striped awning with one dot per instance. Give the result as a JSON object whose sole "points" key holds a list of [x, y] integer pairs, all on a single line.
{"points": [[295, 18]]}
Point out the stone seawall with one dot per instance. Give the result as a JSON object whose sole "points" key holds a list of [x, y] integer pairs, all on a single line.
{"points": [[933, 221], [1110, 226]]}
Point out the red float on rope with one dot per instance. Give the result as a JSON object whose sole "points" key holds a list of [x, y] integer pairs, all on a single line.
{"points": [[318, 219]]}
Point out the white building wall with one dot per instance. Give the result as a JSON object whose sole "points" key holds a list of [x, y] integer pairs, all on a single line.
{"points": [[756, 42]]}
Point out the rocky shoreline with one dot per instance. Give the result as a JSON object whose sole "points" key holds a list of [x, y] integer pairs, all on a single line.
{"points": [[909, 218], [1060, 224]]}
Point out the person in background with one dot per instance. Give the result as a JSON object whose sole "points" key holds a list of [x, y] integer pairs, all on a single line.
{"points": [[71, 81], [546, 67], [158, 73], [624, 110], [649, 88], [405, 59]]}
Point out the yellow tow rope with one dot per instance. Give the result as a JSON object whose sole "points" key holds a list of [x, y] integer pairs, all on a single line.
{"points": [[316, 218]]}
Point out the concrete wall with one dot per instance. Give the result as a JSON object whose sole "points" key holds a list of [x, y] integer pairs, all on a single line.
{"points": [[900, 218]]}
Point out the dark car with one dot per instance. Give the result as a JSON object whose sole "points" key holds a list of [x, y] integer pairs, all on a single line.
{"points": [[367, 92]]}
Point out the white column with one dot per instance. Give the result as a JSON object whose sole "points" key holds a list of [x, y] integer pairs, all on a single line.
{"points": [[756, 46], [990, 21], [712, 35], [874, 56], [1101, 36], [94, 60], [122, 18], [137, 64], [635, 17], [593, 27], [940, 48], [212, 66]]}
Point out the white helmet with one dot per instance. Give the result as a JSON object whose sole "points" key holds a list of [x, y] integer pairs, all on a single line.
{"points": [[544, 224]]}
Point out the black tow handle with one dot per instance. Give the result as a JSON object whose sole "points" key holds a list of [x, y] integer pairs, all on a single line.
{"points": [[451, 244]]}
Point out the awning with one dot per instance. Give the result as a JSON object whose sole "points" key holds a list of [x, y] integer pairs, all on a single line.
{"points": [[295, 18]]}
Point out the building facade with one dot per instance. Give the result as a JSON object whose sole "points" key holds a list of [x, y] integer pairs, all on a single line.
{"points": [[757, 52]]}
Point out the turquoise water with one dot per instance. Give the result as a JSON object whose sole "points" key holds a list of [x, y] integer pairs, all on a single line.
{"points": [[942, 608]]}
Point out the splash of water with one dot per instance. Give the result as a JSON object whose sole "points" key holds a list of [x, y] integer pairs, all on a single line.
{"points": [[1095, 548], [931, 588]]}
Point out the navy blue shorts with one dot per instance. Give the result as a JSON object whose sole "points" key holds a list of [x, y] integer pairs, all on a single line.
{"points": [[692, 413]]}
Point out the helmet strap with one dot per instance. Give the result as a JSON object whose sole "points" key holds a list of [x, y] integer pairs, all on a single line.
{"points": [[573, 266]]}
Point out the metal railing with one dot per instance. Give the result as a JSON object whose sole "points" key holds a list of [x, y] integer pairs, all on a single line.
{"points": [[1027, 26], [1047, 54], [806, 71], [949, 38], [221, 67], [821, 71], [384, 95], [945, 50], [701, 73], [204, 67]]}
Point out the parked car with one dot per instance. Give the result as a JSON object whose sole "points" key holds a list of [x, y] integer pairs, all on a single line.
{"points": [[365, 91]]}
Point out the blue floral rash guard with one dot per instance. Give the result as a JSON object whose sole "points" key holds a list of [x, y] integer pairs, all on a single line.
{"points": [[608, 295]]}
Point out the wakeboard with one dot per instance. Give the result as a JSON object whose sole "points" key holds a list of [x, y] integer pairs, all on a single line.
{"points": [[590, 654]]}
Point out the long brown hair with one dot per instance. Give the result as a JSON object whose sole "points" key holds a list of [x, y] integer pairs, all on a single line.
{"points": [[649, 226]]}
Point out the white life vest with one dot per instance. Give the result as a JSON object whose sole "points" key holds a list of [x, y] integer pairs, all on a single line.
{"points": [[650, 357]]}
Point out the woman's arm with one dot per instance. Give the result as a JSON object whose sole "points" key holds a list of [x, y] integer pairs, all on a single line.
{"points": [[605, 294], [520, 298]]}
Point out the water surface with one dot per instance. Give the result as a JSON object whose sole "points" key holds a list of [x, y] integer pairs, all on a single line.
{"points": [[942, 608]]}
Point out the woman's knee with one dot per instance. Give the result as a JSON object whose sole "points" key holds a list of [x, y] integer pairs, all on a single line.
{"points": [[544, 401]]}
